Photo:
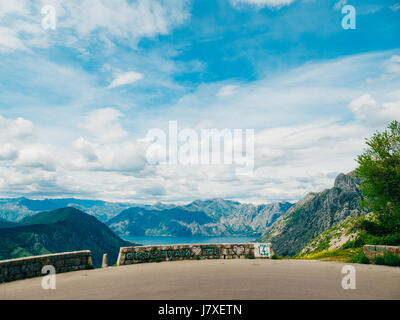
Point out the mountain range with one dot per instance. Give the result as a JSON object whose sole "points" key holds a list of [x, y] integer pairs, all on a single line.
{"points": [[34, 232], [15, 209], [216, 217], [39, 226]]}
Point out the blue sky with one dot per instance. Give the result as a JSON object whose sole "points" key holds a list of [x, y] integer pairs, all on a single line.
{"points": [[77, 101]]}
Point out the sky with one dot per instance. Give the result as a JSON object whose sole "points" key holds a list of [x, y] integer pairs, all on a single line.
{"points": [[77, 101]]}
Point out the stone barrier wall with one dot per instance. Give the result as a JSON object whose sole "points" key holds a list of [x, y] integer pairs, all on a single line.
{"points": [[141, 254], [29, 267], [371, 251]]}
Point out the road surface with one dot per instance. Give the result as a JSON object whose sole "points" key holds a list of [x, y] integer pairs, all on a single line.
{"points": [[215, 279]]}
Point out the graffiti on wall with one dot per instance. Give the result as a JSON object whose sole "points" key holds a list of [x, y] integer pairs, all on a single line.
{"points": [[174, 254], [158, 253], [262, 250], [238, 250]]}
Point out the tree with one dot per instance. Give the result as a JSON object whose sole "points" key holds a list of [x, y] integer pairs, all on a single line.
{"points": [[379, 170]]}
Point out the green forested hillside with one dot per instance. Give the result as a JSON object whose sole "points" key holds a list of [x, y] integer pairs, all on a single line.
{"points": [[60, 230]]}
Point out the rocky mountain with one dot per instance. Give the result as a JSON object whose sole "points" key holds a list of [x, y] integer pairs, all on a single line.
{"points": [[61, 230], [169, 222], [314, 214], [333, 238], [241, 217], [337, 237], [216, 217]]}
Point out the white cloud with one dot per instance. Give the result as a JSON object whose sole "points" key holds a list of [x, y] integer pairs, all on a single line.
{"points": [[100, 166], [8, 151], [125, 78], [368, 109], [21, 147], [263, 3], [393, 65], [16, 131], [20, 7], [117, 156], [120, 18], [395, 7], [107, 21], [108, 148], [17, 181], [313, 91], [319, 144], [390, 72], [310, 123], [20, 28], [9, 41], [226, 91], [104, 125], [338, 5], [37, 155]]}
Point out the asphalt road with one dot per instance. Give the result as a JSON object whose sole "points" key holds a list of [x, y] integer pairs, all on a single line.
{"points": [[215, 279]]}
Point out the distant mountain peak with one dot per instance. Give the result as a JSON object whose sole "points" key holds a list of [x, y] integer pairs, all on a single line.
{"points": [[348, 180], [56, 216]]}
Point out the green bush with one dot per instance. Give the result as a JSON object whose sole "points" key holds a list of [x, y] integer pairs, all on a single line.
{"points": [[360, 258], [380, 175], [250, 257], [388, 259], [379, 260], [391, 260], [89, 266], [275, 257], [363, 259]]}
